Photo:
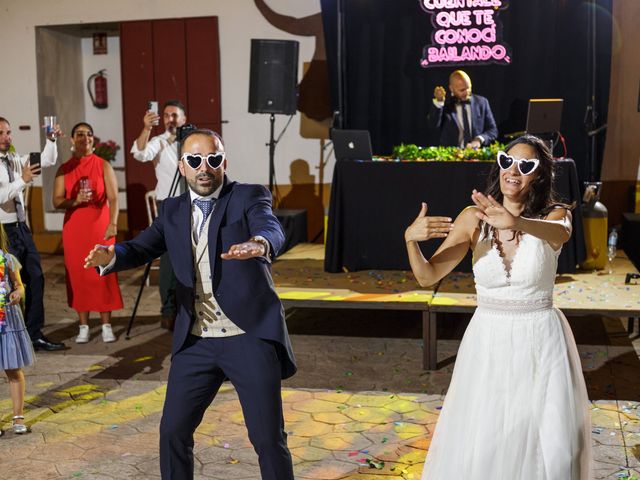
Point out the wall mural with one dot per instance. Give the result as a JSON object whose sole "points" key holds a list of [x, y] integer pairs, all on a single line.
{"points": [[313, 90]]}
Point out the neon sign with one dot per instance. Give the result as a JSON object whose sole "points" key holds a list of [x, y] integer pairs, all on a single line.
{"points": [[465, 32]]}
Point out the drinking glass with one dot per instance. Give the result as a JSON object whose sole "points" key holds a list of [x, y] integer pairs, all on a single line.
{"points": [[86, 187], [49, 125]]}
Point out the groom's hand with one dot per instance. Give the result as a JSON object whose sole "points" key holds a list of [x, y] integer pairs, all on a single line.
{"points": [[99, 256], [243, 251]]}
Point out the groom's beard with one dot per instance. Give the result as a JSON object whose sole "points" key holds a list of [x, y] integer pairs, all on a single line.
{"points": [[205, 190]]}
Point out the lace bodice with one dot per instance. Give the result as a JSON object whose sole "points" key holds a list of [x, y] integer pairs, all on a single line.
{"points": [[532, 273]]}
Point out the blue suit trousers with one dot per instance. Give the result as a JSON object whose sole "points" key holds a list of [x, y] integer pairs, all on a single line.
{"points": [[197, 371]]}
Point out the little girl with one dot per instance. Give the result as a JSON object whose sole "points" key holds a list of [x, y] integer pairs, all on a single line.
{"points": [[16, 350]]}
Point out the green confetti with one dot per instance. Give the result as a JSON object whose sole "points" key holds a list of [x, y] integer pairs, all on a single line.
{"points": [[377, 464]]}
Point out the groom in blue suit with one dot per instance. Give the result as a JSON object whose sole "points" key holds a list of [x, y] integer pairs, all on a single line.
{"points": [[221, 237], [462, 119]]}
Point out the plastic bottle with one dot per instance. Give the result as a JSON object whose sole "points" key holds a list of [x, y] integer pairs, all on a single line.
{"points": [[612, 243]]}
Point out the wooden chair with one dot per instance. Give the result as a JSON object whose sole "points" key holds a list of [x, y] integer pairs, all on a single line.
{"points": [[151, 203]]}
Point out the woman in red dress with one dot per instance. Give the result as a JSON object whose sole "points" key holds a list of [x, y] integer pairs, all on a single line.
{"points": [[86, 187]]}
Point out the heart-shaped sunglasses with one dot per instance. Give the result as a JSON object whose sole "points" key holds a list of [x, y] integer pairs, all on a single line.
{"points": [[194, 160], [526, 166]]}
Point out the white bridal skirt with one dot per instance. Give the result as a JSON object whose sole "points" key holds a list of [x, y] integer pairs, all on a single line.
{"points": [[517, 407]]}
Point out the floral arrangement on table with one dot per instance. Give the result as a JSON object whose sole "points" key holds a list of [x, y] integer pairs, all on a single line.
{"points": [[410, 152], [106, 150]]}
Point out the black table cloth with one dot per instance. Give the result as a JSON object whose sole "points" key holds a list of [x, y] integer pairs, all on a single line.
{"points": [[372, 203], [294, 225]]}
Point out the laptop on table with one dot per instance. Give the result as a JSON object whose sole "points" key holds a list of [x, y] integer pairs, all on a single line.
{"points": [[351, 144], [544, 115]]}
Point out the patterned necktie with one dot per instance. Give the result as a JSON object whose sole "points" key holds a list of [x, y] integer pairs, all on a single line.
{"points": [[17, 202], [206, 207]]}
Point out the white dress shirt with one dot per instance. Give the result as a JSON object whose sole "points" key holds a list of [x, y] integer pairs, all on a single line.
{"points": [[12, 191], [197, 217], [162, 150]]}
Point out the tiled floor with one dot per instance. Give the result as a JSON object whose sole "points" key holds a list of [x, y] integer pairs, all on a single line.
{"points": [[360, 407]]}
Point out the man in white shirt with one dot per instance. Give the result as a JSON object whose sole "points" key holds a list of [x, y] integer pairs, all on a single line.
{"points": [[162, 150], [16, 174], [462, 119]]}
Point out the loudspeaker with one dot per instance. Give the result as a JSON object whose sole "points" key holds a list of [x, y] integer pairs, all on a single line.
{"points": [[274, 76]]}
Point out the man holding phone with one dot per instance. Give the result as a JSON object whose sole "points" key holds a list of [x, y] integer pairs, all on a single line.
{"points": [[16, 173], [34, 159], [162, 150]]}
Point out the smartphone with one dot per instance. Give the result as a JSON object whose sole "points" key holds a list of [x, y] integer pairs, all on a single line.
{"points": [[152, 106], [34, 158]]}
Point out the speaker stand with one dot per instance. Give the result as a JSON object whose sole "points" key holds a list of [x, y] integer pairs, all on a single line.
{"points": [[272, 152]]}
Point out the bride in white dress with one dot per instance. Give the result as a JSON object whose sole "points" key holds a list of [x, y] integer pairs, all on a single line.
{"points": [[517, 405]]}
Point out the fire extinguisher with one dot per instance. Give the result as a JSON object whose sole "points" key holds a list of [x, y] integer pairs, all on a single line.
{"points": [[100, 99]]}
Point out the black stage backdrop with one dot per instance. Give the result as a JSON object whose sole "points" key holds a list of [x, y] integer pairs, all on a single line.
{"points": [[388, 93]]}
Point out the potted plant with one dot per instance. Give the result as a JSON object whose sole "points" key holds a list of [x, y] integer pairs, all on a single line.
{"points": [[106, 150]]}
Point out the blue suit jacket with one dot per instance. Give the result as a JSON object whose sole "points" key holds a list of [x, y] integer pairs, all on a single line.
{"points": [[445, 121], [243, 288]]}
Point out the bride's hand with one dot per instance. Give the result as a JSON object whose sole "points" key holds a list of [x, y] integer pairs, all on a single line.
{"points": [[424, 228], [492, 212]]}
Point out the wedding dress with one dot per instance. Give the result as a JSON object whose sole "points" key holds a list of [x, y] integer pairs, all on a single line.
{"points": [[517, 405]]}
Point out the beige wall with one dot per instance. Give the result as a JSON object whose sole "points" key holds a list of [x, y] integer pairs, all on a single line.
{"points": [[59, 66], [245, 134], [622, 148]]}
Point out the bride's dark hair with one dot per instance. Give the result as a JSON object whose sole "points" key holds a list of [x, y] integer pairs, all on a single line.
{"points": [[541, 198]]}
